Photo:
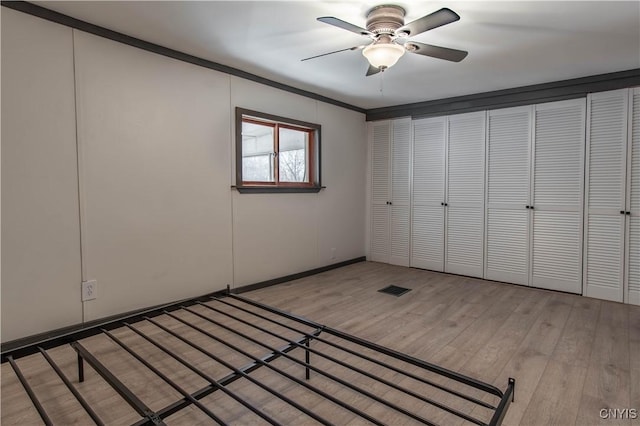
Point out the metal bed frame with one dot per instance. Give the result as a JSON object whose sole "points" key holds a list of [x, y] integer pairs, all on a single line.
{"points": [[374, 372]]}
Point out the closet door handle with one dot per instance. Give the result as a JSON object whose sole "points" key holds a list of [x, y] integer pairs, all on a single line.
{"points": [[442, 204], [390, 203], [446, 204], [628, 213], [622, 212], [527, 207], [531, 207]]}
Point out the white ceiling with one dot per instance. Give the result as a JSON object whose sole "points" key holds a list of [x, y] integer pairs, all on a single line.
{"points": [[510, 43]]}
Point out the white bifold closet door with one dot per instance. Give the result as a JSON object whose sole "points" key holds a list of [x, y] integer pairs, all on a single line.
{"points": [[464, 201], [633, 207], [605, 204], [390, 191], [557, 196], [535, 176], [508, 174], [380, 139], [427, 223]]}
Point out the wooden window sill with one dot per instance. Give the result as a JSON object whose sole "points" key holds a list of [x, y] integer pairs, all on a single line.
{"points": [[277, 189]]}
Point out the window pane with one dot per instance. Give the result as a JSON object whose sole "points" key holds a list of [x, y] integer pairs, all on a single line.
{"points": [[293, 157], [257, 153], [258, 168]]}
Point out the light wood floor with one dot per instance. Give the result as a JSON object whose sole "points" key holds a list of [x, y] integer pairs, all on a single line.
{"points": [[571, 356]]}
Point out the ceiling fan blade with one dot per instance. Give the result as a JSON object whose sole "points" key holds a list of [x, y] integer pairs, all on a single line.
{"points": [[335, 51], [434, 20], [344, 25], [445, 53], [372, 70]]}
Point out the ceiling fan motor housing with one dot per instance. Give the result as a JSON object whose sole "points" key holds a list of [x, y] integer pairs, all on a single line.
{"points": [[385, 19]]}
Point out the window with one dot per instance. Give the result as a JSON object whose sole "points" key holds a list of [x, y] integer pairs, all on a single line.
{"points": [[276, 154]]}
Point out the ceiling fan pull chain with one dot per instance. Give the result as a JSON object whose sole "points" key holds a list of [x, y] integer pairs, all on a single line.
{"points": [[382, 84]]}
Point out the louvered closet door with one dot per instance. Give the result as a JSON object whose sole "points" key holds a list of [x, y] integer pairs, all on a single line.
{"points": [[465, 195], [558, 175], [507, 229], [380, 137], [400, 195], [605, 194], [427, 226], [633, 206]]}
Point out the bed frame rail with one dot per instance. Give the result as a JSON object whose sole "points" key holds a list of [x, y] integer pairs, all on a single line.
{"points": [[245, 327]]}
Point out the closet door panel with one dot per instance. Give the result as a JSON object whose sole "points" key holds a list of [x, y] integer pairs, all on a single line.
{"points": [[466, 149], [607, 146], [507, 245], [633, 263], [400, 192], [508, 155], [381, 139], [508, 147], [380, 233], [607, 129], [427, 223], [633, 183], [557, 250], [428, 161], [559, 155], [556, 253], [465, 241], [427, 238], [380, 136], [465, 194], [399, 234], [401, 162], [604, 254]]}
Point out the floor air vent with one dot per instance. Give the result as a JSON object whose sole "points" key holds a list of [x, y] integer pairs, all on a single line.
{"points": [[394, 290]]}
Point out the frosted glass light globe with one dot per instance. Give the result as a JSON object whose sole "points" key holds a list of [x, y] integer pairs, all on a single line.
{"points": [[383, 55]]}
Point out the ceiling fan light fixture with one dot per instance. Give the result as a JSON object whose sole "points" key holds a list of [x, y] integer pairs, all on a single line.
{"points": [[383, 55]]}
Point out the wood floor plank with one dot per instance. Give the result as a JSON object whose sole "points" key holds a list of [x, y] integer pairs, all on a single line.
{"points": [[556, 400], [489, 360], [576, 342], [529, 362], [607, 382]]}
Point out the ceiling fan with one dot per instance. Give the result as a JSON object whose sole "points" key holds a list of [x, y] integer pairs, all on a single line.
{"points": [[389, 35]]}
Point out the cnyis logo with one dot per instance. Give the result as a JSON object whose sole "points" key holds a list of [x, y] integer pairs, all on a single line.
{"points": [[619, 413]]}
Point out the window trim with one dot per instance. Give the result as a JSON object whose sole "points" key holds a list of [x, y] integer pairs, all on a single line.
{"points": [[314, 183]]}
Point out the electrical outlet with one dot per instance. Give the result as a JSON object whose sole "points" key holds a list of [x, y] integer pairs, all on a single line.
{"points": [[333, 253], [89, 290]]}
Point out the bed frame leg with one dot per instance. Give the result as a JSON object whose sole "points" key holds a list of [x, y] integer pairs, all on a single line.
{"points": [[512, 382], [307, 359], [80, 369]]}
